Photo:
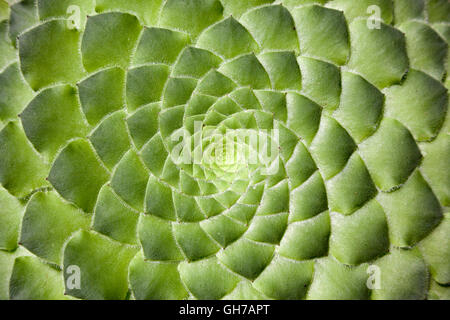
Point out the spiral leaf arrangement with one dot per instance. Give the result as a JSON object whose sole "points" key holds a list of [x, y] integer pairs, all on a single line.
{"points": [[88, 109]]}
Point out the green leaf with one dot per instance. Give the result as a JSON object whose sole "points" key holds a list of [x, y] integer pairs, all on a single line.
{"points": [[109, 39], [405, 10], [145, 85], [309, 199], [143, 124], [321, 82], [245, 212], [322, 32], [113, 218], [228, 38], [273, 102], [110, 139], [207, 279], [438, 292], [40, 52], [52, 118], [158, 45], [10, 220], [4, 10], [6, 47], [398, 265], [194, 241], [14, 93], [23, 15], [268, 229], [332, 147], [129, 180], [147, 11], [412, 211], [223, 229], [360, 237], [285, 279], [7, 260], [191, 16], [246, 257], [381, 67], [352, 9], [246, 71], [21, 169], [435, 250], [158, 200], [155, 280], [245, 291], [350, 188], [335, 281], [154, 154], [245, 98], [178, 91], [275, 199], [272, 27], [213, 84], [157, 239], [188, 184], [306, 239], [438, 10], [237, 7], [390, 155], [434, 164], [77, 174], [32, 279], [194, 62], [45, 212], [87, 251], [102, 93], [283, 70], [49, 9], [421, 112], [303, 116], [427, 50], [300, 166], [171, 119], [360, 108]]}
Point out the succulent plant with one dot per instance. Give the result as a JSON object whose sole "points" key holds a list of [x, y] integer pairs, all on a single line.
{"points": [[93, 204]]}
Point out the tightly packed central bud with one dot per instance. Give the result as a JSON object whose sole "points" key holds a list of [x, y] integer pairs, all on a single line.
{"points": [[228, 154]]}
